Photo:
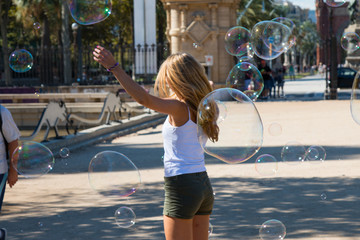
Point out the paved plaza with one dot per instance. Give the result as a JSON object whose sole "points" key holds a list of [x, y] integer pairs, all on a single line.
{"points": [[62, 206]]}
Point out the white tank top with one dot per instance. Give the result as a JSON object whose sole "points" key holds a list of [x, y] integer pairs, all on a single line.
{"points": [[183, 152]]}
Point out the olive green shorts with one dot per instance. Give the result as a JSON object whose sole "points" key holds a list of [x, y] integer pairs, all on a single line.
{"points": [[188, 195]]}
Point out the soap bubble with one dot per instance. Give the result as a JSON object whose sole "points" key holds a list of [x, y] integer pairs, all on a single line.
{"points": [[247, 59], [266, 165], [195, 45], [323, 196], [125, 217], [291, 25], [20, 61], [245, 77], [36, 25], [240, 132], [335, 3], [350, 42], [33, 159], [64, 152], [275, 129], [272, 229], [88, 12], [211, 228], [315, 154], [237, 40], [113, 174], [293, 153], [355, 99], [269, 39]]}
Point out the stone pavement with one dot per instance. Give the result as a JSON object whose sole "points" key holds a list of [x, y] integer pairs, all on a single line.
{"points": [[62, 205]]}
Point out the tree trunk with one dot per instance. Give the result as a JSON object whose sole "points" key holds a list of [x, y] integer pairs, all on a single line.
{"points": [[46, 73], [4, 9], [65, 38]]}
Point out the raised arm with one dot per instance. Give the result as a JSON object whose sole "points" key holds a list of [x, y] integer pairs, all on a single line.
{"points": [[168, 106]]}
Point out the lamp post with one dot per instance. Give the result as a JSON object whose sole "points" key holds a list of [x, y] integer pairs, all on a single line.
{"points": [[74, 28]]}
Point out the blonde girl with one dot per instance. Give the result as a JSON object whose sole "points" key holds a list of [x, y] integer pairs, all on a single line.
{"points": [[181, 84]]}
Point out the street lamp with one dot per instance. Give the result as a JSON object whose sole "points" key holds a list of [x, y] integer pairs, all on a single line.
{"points": [[75, 27]]}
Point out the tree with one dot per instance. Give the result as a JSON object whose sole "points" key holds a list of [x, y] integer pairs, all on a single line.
{"points": [[4, 12]]}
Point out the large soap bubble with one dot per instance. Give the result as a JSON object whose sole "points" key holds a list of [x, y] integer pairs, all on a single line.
{"points": [[113, 174], [237, 40], [21, 60], [240, 131], [269, 39], [33, 159], [355, 99], [272, 229], [245, 77], [88, 12]]}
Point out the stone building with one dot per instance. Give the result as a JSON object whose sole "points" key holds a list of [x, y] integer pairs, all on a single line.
{"points": [[198, 27]]}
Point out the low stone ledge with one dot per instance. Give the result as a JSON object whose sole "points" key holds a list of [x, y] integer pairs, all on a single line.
{"points": [[105, 132]]}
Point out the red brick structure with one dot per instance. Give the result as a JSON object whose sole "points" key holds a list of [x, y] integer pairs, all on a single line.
{"points": [[326, 16]]}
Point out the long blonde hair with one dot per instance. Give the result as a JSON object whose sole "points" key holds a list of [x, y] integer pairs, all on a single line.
{"points": [[186, 77]]}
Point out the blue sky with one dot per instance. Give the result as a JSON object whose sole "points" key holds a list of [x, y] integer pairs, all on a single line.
{"points": [[304, 3]]}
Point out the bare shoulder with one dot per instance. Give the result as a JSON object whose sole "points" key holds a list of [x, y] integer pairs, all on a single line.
{"points": [[180, 116]]}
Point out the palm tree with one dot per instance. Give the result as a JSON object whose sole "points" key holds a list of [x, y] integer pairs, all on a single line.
{"points": [[307, 40]]}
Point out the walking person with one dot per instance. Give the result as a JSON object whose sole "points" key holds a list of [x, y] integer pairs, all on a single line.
{"points": [[181, 84], [8, 143]]}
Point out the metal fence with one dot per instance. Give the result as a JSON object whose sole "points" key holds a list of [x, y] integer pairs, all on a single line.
{"points": [[140, 62]]}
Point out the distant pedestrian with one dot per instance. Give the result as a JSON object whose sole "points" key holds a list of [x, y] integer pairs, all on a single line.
{"points": [[292, 72], [265, 71]]}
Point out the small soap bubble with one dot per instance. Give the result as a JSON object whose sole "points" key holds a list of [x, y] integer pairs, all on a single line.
{"points": [[36, 25], [266, 165], [237, 40], [315, 154], [211, 228], [125, 217], [40, 224], [272, 229], [195, 45], [293, 153], [20, 60], [64, 152], [323, 196], [350, 42]]}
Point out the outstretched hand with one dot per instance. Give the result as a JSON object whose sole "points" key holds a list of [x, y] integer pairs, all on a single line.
{"points": [[104, 57]]}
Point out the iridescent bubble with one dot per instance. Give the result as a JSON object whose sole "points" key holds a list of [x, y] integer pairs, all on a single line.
{"points": [[266, 165], [20, 60], [125, 217], [33, 159], [211, 228], [113, 174], [335, 3], [291, 25], [293, 153], [247, 59], [64, 152], [87, 12], [240, 132], [355, 99], [237, 40], [269, 39], [323, 196], [36, 25], [275, 129], [350, 42], [245, 77], [40, 224], [195, 45], [315, 154], [272, 229], [250, 51]]}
